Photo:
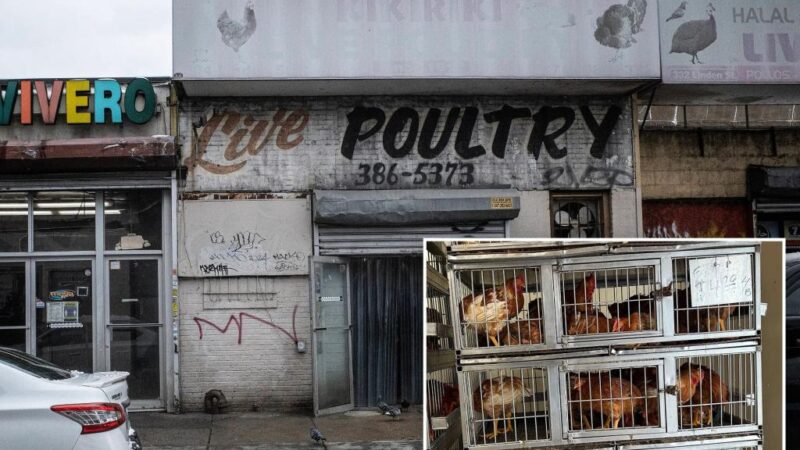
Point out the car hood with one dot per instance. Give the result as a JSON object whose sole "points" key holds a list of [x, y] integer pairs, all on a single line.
{"points": [[112, 383]]}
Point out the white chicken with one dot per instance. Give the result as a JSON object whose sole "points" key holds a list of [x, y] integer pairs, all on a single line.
{"points": [[236, 34]]}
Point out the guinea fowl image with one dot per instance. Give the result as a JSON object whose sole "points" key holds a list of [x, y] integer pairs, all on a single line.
{"points": [[489, 310], [236, 34], [498, 398], [695, 36]]}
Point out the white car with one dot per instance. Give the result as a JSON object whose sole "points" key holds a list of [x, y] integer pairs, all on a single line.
{"points": [[44, 407]]}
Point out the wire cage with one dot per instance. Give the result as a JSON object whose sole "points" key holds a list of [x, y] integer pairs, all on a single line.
{"points": [[508, 405], [499, 307], [614, 399], [512, 303], [442, 405], [731, 305], [598, 301], [717, 391]]}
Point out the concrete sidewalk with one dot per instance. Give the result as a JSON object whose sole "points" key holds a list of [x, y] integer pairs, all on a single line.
{"points": [[278, 431]]}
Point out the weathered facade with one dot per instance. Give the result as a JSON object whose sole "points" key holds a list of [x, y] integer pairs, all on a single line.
{"points": [[350, 154], [86, 229]]}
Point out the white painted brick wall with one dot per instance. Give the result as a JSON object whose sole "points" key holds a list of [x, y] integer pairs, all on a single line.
{"points": [[263, 370]]}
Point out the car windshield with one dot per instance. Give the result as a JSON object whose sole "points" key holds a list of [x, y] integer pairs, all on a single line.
{"points": [[32, 365]]}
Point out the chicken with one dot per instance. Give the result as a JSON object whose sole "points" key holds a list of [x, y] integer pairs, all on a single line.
{"points": [[695, 416], [695, 35], [688, 379], [534, 309], [522, 332], [443, 398], [235, 34], [581, 296], [702, 319], [635, 322], [497, 398], [489, 310], [639, 8], [711, 393], [610, 397], [591, 322]]}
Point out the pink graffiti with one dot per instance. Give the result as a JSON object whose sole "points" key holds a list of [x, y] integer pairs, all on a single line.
{"points": [[239, 321]]}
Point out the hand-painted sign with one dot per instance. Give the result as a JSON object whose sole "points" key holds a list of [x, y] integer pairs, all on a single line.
{"points": [[84, 101], [731, 41], [409, 143]]}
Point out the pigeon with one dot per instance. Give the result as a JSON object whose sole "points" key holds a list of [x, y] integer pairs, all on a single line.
{"points": [[235, 34], [404, 405], [317, 436], [383, 407], [678, 13], [393, 411]]}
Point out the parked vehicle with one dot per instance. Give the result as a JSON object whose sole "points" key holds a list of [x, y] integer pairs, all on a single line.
{"points": [[792, 346], [43, 406]]}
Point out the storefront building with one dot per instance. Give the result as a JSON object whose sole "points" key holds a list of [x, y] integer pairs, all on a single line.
{"points": [[320, 170], [719, 144], [87, 179]]}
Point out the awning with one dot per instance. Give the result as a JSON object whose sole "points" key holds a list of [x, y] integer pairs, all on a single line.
{"points": [[88, 155], [415, 206]]}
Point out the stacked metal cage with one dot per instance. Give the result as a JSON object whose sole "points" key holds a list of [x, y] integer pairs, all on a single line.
{"points": [[607, 345]]}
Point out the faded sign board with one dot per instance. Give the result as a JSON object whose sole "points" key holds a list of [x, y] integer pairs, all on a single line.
{"points": [[245, 238], [721, 280], [323, 39], [408, 143], [731, 41]]}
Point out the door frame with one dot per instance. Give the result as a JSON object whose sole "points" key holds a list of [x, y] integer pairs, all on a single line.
{"points": [[315, 379], [108, 328]]}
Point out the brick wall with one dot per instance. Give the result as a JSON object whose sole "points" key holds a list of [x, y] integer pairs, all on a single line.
{"points": [[264, 369], [672, 166]]}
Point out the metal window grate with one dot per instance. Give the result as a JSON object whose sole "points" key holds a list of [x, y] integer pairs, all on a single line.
{"points": [[238, 292], [618, 300], [717, 390], [614, 398], [508, 405], [690, 318], [577, 216], [500, 307]]}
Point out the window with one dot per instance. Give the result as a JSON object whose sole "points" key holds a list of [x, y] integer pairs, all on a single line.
{"points": [[133, 220], [14, 222], [63, 221], [579, 215]]}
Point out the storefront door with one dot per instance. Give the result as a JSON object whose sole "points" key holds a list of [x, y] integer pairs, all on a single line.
{"points": [[331, 345], [82, 282]]}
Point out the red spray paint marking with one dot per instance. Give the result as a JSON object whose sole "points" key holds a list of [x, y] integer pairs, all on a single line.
{"points": [[240, 325]]}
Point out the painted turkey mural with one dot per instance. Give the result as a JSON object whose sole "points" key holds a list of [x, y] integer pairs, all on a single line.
{"points": [[619, 23]]}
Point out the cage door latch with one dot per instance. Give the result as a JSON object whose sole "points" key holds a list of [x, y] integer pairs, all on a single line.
{"points": [[671, 390]]}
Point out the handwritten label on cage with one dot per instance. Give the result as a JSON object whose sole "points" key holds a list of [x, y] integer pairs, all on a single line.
{"points": [[721, 280]]}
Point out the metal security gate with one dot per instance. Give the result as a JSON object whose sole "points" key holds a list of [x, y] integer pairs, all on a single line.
{"points": [[394, 240]]}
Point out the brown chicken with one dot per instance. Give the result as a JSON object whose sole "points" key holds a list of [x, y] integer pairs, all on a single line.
{"points": [[581, 297], [610, 397], [489, 310], [695, 416], [712, 392], [450, 400], [591, 322], [701, 319], [688, 379], [497, 398], [521, 333], [636, 322]]}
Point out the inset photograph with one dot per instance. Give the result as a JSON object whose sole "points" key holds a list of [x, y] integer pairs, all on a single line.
{"points": [[604, 344]]}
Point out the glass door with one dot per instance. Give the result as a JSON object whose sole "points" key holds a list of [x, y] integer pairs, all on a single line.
{"points": [[64, 305], [13, 310], [331, 344], [133, 328]]}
